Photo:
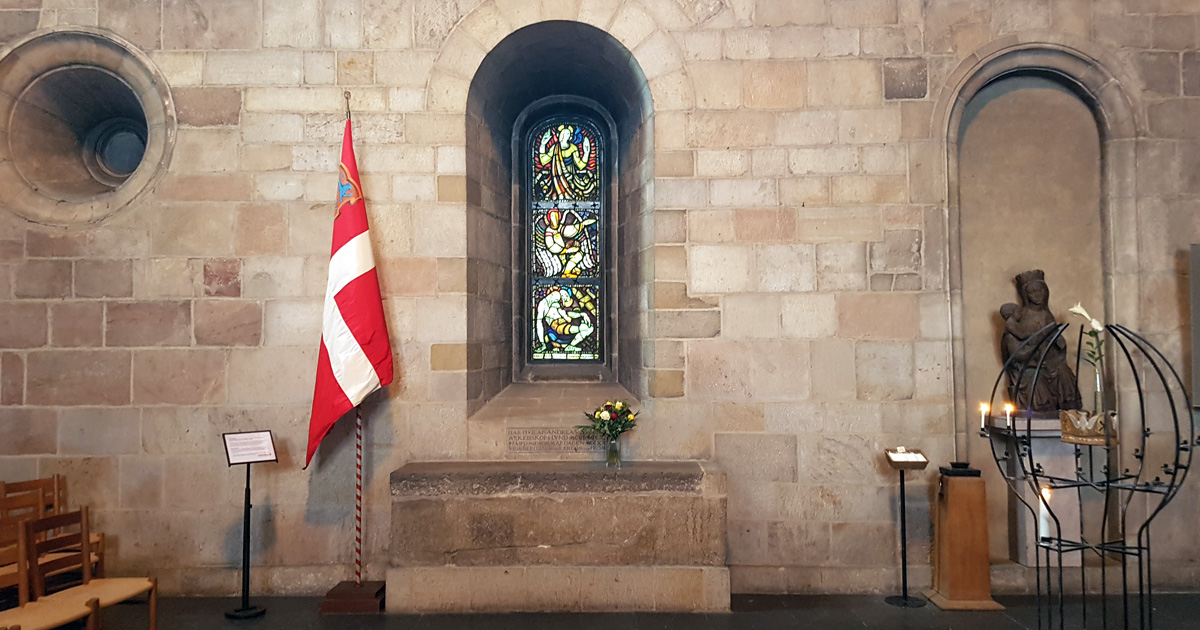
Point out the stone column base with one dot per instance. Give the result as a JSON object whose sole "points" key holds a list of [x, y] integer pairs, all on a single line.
{"points": [[561, 588]]}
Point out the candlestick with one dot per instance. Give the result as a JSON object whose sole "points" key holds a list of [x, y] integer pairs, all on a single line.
{"points": [[983, 409], [1008, 409]]}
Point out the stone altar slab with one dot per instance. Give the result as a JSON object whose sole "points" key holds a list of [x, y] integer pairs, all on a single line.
{"points": [[483, 536]]}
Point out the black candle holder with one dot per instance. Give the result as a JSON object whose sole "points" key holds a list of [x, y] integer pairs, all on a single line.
{"points": [[1156, 436]]}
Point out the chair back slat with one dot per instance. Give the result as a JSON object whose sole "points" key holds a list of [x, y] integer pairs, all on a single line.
{"points": [[59, 543], [23, 505], [58, 521], [66, 562]]}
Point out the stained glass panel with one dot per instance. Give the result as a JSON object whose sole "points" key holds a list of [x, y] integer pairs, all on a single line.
{"points": [[565, 163], [565, 214], [566, 242], [566, 322]]}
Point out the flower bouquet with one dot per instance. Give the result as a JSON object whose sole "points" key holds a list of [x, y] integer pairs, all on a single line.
{"points": [[609, 421]]}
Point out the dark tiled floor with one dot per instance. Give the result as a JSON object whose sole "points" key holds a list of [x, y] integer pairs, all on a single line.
{"points": [[1172, 612]]}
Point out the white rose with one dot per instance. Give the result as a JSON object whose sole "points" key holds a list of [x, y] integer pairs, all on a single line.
{"points": [[604, 415]]}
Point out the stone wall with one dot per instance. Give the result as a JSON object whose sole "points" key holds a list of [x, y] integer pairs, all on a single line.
{"points": [[796, 288]]}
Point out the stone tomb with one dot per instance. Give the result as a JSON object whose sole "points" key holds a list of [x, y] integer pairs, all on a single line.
{"points": [[557, 536]]}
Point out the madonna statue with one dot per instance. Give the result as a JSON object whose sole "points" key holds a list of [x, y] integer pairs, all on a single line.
{"points": [[1030, 324]]}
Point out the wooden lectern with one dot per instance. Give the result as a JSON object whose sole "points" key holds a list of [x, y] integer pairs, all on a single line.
{"points": [[961, 569]]}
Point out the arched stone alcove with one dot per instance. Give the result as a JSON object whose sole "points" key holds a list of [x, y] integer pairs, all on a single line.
{"points": [[1040, 148], [553, 64]]}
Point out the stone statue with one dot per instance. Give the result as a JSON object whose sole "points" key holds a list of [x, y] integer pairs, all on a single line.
{"points": [[1056, 386]]}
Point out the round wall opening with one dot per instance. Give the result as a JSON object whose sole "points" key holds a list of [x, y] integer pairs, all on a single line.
{"points": [[90, 126]]}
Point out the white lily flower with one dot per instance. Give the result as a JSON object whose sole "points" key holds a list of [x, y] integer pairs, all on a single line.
{"points": [[1096, 324]]}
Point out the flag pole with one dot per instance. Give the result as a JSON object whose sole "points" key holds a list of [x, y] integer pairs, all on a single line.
{"points": [[358, 441], [358, 497]]}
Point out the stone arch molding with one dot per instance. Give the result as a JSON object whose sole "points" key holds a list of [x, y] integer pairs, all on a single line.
{"points": [[1103, 83], [1100, 77], [641, 29]]}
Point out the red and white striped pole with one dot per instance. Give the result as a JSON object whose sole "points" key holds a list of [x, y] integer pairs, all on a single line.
{"points": [[357, 497]]}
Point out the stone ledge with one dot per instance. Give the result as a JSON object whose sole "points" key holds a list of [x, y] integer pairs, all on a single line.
{"points": [[436, 479], [561, 588]]}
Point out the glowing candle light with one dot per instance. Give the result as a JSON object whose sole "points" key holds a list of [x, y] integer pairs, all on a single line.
{"points": [[983, 409], [1008, 409]]}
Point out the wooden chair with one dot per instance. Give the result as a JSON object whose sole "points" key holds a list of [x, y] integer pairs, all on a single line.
{"points": [[13, 510], [51, 610], [53, 491], [32, 615]]}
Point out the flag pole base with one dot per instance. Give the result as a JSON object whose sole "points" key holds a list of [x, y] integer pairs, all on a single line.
{"points": [[250, 612], [347, 597]]}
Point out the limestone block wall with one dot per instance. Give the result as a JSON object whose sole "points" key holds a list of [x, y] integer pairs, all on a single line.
{"points": [[798, 267]]}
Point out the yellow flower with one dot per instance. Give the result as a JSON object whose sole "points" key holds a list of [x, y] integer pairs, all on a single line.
{"points": [[619, 405]]}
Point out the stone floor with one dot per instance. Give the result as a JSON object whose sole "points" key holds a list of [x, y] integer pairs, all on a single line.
{"points": [[1172, 612]]}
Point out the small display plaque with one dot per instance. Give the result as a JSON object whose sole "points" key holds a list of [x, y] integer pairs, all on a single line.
{"points": [[902, 458], [249, 447]]}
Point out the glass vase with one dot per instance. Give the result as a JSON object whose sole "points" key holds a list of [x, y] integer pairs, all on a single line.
{"points": [[613, 457]]}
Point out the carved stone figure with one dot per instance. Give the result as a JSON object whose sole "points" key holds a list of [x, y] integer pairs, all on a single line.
{"points": [[1056, 387]]}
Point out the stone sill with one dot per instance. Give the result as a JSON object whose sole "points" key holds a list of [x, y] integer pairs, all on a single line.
{"points": [[424, 479], [557, 589], [550, 403]]}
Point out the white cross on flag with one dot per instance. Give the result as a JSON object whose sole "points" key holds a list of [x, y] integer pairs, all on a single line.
{"points": [[356, 356]]}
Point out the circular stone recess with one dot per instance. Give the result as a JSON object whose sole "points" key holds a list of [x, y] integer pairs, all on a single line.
{"points": [[90, 126]]}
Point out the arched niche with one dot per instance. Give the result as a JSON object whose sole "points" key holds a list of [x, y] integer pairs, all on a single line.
{"points": [[534, 71], [1040, 143]]}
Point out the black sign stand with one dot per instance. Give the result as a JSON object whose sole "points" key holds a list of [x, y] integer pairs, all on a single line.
{"points": [[246, 611], [901, 459], [248, 447]]}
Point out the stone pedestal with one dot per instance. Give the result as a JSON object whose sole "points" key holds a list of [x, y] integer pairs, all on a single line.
{"points": [[558, 536]]}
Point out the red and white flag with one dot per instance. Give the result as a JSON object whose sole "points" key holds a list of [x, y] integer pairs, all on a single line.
{"points": [[356, 355]]}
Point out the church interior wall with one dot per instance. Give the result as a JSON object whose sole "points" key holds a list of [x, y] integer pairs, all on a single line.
{"points": [[791, 298]]}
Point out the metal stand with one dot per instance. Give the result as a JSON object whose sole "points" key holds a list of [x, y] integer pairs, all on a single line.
{"points": [[1157, 440], [246, 611], [903, 600]]}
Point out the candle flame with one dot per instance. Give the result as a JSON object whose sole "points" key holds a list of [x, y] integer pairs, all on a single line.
{"points": [[1008, 408], [1046, 492], [983, 407]]}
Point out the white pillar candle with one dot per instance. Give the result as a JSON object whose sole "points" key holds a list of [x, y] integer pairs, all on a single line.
{"points": [[1008, 409], [983, 409], [1044, 521]]}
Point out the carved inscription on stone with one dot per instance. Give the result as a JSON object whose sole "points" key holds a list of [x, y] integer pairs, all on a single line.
{"points": [[548, 440]]}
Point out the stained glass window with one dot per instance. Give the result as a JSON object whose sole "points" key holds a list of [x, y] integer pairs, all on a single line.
{"points": [[566, 227]]}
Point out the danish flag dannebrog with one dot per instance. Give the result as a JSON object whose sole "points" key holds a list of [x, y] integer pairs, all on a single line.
{"points": [[356, 356]]}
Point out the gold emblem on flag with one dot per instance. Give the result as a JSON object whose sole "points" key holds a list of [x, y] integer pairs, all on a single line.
{"points": [[349, 192]]}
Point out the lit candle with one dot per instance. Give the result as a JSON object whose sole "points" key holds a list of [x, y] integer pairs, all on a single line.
{"points": [[1044, 514], [1008, 409], [983, 409]]}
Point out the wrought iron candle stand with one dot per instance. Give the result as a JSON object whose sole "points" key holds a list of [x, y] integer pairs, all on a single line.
{"points": [[1123, 537]]}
